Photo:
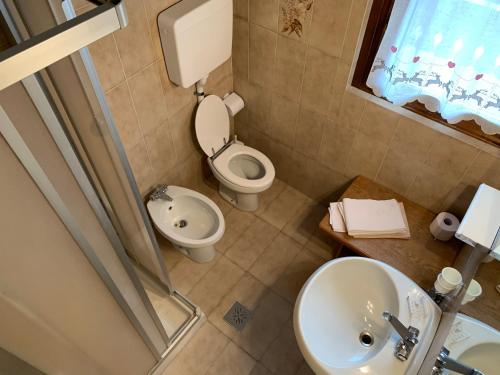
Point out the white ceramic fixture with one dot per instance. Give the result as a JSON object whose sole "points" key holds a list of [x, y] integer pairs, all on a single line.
{"points": [[191, 222], [339, 310], [242, 171], [196, 36], [474, 344]]}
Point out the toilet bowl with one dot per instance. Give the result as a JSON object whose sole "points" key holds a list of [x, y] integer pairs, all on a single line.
{"points": [[243, 172], [191, 222]]}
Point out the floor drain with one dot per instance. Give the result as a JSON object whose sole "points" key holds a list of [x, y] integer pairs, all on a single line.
{"points": [[238, 316], [366, 339]]}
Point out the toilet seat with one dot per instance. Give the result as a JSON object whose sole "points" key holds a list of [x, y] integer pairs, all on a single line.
{"points": [[212, 132], [222, 165]]}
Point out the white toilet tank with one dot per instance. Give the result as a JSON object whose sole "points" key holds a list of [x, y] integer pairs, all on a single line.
{"points": [[196, 36]]}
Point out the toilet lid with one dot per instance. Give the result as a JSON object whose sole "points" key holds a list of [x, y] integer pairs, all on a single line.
{"points": [[212, 124]]}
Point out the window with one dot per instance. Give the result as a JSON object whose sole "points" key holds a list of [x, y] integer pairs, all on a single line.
{"points": [[440, 59]]}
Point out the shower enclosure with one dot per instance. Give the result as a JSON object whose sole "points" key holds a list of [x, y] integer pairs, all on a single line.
{"points": [[97, 266]]}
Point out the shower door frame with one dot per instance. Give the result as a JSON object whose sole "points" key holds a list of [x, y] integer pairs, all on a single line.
{"points": [[36, 88]]}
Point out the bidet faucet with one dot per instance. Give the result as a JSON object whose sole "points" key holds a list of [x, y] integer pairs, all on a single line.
{"points": [[445, 362], [160, 193], [408, 335]]}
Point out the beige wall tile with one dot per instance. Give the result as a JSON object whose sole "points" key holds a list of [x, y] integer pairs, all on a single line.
{"points": [[289, 70], [262, 55], [351, 110], [295, 18], [232, 361], [182, 128], [241, 40], [485, 168], [258, 103], [329, 24], [134, 42], [148, 98], [365, 157], [241, 8], [378, 123], [283, 120], [338, 89], [310, 126], [218, 76], [336, 146], [450, 156], [324, 183], [457, 201], [248, 247], [221, 278], [120, 104], [358, 8], [107, 62], [196, 357], [430, 188], [276, 257], [283, 356], [153, 9], [161, 150], [141, 166], [264, 13], [398, 171], [318, 79], [412, 139], [176, 97]]}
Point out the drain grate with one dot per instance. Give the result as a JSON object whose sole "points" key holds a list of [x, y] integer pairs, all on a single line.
{"points": [[238, 316]]}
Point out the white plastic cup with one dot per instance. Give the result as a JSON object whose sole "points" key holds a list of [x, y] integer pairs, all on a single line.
{"points": [[473, 291], [440, 288], [449, 278]]}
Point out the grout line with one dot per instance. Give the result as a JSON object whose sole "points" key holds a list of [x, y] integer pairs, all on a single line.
{"points": [[387, 150]]}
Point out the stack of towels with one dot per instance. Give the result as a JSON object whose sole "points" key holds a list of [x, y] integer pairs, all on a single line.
{"points": [[368, 218]]}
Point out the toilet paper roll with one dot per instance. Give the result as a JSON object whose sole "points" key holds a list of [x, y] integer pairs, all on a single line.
{"points": [[234, 103], [444, 226]]}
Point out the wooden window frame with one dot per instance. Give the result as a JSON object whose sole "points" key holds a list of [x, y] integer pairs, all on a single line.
{"points": [[374, 32]]}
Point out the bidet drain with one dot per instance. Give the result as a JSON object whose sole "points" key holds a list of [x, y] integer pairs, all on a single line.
{"points": [[181, 223], [366, 339]]}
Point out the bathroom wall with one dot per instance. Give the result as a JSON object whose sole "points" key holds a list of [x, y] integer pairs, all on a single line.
{"points": [[291, 60], [153, 116]]}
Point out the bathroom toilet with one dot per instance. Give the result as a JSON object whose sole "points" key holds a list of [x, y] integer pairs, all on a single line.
{"points": [[243, 172], [190, 221]]}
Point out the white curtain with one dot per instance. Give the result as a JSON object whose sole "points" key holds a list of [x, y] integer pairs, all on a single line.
{"points": [[446, 55]]}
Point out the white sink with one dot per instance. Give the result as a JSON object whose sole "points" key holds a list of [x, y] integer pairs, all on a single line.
{"points": [[475, 344], [345, 298]]}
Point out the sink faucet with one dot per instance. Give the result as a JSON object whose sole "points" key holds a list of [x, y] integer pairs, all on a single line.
{"points": [[445, 362], [408, 335], [160, 193]]}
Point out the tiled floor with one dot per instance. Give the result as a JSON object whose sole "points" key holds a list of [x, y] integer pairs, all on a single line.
{"points": [[262, 261]]}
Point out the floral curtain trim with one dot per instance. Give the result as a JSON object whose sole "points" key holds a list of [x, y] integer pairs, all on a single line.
{"points": [[446, 55]]}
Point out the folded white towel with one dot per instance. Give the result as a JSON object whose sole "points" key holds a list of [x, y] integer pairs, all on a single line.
{"points": [[336, 219], [371, 217]]}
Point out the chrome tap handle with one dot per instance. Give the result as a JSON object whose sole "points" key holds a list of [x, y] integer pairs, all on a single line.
{"points": [[408, 337], [445, 362]]}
